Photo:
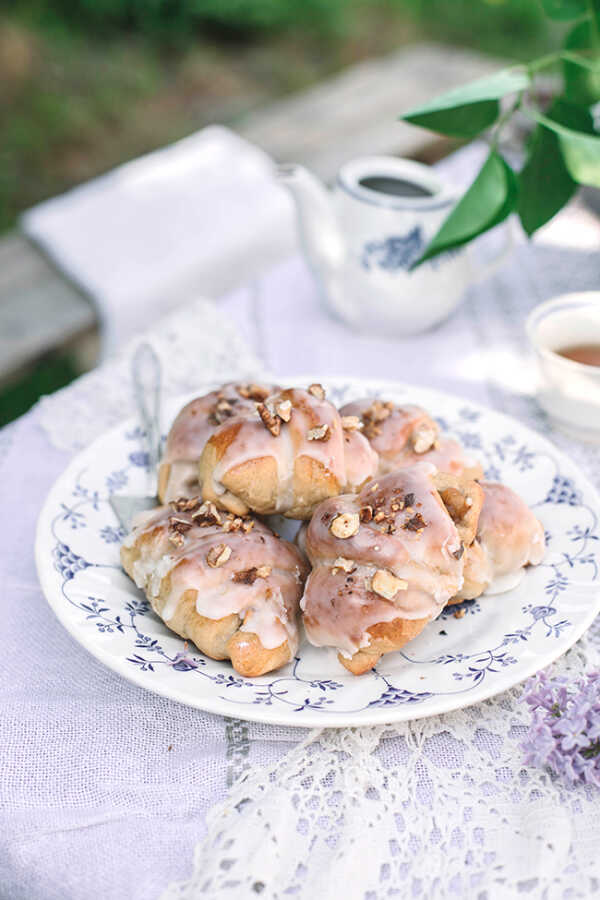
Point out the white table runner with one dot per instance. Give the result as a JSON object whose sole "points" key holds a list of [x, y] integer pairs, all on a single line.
{"points": [[94, 803]]}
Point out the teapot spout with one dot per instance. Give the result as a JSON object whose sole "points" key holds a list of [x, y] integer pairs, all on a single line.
{"points": [[318, 228]]}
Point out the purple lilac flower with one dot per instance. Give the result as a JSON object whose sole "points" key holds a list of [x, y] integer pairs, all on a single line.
{"points": [[564, 734]]}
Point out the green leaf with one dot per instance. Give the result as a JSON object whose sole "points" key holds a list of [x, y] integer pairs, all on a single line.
{"points": [[581, 75], [565, 9], [468, 110], [489, 200], [545, 183], [581, 151]]}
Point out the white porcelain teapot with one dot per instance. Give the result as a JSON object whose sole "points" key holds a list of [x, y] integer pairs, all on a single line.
{"points": [[361, 239]]}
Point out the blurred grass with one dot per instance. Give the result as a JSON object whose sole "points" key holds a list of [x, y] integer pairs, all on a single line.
{"points": [[48, 375], [88, 84]]}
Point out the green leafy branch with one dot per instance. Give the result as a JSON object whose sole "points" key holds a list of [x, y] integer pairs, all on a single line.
{"points": [[563, 151]]}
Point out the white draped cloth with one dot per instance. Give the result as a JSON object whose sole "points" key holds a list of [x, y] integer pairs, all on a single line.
{"points": [[109, 791]]}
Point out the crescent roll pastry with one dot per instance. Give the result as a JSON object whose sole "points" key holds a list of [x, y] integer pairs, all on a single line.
{"points": [[194, 424], [293, 452], [508, 538], [403, 435], [226, 583], [386, 561]]}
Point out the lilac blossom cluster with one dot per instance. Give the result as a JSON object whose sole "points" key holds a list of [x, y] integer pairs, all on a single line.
{"points": [[565, 730]]}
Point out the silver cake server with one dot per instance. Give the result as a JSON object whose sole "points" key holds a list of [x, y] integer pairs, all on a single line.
{"points": [[146, 378]]}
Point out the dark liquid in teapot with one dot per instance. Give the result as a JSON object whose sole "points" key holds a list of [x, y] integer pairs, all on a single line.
{"points": [[589, 354], [397, 187]]}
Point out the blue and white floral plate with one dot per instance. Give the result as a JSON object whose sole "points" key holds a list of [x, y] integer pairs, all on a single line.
{"points": [[500, 640]]}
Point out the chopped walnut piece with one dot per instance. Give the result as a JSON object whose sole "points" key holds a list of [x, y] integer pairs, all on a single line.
{"points": [[176, 523], [246, 576], [415, 523], [459, 614], [177, 538], [317, 390], [386, 584], [457, 554], [207, 514], [366, 513], [345, 525], [320, 433], [284, 410], [247, 525], [257, 392], [263, 571], [343, 564], [183, 504], [271, 421], [351, 423], [409, 499], [379, 516], [423, 438], [218, 555]]}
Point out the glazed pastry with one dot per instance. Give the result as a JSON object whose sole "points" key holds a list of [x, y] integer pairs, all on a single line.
{"points": [[226, 583], [194, 424], [403, 435], [508, 538], [294, 452], [386, 561]]}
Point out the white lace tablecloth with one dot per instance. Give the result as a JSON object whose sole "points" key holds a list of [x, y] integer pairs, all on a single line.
{"points": [[106, 789]]}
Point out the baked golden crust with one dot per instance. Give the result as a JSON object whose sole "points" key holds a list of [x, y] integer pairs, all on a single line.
{"points": [[385, 562], [288, 457], [404, 435], [193, 425], [196, 563], [384, 638]]}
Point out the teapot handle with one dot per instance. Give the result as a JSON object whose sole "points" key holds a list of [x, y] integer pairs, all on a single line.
{"points": [[482, 269]]}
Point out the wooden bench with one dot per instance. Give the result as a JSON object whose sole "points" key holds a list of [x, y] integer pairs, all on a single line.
{"points": [[350, 114]]}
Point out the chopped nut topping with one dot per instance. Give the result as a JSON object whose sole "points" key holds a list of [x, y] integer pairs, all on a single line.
{"points": [[257, 392], [373, 487], [271, 421], [246, 576], [249, 576], [320, 433], [183, 504], [416, 523], [409, 499], [177, 538], [423, 438], [386, 584], [351, 423], [366, 513], [345, 525], [247, 525], [218, 555], [459, 614], [379, 516], [284, 410], [458, 553], [207, 514], [176, 523], [317, 390], [343, 564]]}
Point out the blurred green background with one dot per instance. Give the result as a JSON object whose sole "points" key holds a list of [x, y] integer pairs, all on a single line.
{"points": [[88, 84]]}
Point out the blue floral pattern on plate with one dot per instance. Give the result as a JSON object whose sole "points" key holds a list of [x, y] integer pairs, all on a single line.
{"points": [[470, 652]]}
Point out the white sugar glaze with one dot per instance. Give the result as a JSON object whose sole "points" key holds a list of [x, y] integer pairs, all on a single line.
{"points": [[191, 429], [340, 607], [394, 442], [271, 602], [346, 456]]}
